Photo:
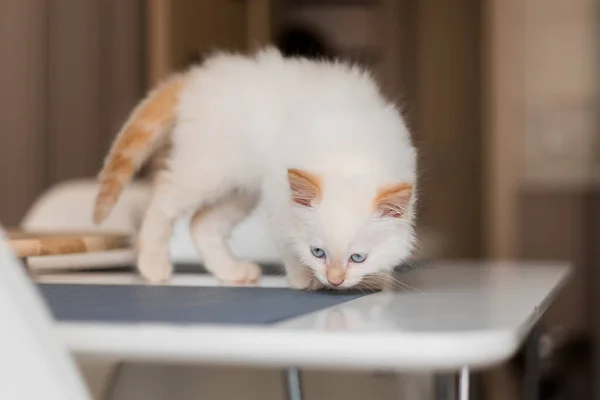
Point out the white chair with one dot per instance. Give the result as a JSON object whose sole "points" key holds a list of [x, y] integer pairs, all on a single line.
{"points": [[34, 363], [68, 206]]}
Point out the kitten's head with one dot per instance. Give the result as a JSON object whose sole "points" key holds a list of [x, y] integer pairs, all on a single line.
{"points": [[350, 230]]}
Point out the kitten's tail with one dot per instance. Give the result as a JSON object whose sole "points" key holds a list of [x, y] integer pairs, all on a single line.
{"points": [[143, 132]]}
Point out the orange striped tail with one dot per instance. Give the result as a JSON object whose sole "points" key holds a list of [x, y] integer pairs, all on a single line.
{"points": [[145, 129]]}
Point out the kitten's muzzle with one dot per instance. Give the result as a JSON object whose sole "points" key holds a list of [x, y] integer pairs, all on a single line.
{"points": [[335, 276]]}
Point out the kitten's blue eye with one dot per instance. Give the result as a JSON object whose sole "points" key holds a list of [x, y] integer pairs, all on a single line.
{"points": [[358, 258], [317, 252]]}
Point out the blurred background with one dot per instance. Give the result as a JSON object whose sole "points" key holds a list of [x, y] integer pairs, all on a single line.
{"points": [[500, 95]]}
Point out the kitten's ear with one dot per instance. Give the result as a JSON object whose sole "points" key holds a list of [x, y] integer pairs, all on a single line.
{"points": [[392, 201], [304, 186]]}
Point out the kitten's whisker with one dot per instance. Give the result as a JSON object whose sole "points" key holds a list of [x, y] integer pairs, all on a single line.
{"points": [[405, 285], [413, 263], [388, 279], [371, 283], [279, 272]]}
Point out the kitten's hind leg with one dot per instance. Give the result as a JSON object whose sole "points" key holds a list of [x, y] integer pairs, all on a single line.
{"points": [[211, 227], [153, 259]]}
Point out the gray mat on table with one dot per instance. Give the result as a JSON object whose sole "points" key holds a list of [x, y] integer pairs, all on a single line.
{"points": [[184, 305]]}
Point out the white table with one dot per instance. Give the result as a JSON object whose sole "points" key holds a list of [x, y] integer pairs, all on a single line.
{"points": [[463, 316]]}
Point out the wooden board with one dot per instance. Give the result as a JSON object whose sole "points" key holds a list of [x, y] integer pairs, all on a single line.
{"points": [[31, 244]]}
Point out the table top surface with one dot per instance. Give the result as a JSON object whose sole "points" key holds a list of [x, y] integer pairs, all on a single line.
{"points": [[447, 315]]}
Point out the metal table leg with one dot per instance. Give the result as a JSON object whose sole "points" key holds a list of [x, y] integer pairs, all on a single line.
{"points": [[448, 387], [293, 384], [531, 379], [464, 385]]}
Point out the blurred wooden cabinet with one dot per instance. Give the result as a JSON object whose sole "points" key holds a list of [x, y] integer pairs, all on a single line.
{"points": [[71, 72], [179, 31], [376, 34]]}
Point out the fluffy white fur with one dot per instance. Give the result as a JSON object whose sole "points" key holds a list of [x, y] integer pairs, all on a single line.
{"points": [[241, 123]]}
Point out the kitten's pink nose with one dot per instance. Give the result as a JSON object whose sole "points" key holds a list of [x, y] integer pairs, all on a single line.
{"points": [[336, 276]]}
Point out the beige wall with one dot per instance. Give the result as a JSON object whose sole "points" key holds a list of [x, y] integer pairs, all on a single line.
{"points": [[559, 148], [541, 137], [181, 30], [557, 152]]}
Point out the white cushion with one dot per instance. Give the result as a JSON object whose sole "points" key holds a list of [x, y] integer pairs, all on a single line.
{"points": [[69, 206]]}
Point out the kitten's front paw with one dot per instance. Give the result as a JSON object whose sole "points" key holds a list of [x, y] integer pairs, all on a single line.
{"points": [[241, 273], [153, 268], [315, 285]]}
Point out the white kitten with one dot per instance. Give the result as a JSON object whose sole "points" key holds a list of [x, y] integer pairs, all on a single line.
{"points": [[316, 141]]}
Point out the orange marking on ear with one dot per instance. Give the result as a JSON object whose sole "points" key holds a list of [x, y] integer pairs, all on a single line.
{"points": [[305, 187], [391, 191], [392, 201]]}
